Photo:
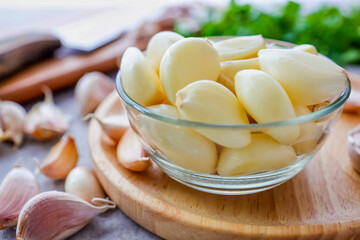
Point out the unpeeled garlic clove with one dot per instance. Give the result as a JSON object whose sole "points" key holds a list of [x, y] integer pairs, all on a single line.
{"points": [[308, 79], [354, 147], [45, 120], [91, 89], [210, 102], [12, 116], [131, 154], [56, 215], [18, 186], [61, 159], [82, 182], [239, 47], [114, 126]]}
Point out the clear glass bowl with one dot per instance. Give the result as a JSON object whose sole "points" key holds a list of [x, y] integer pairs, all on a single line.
{"points": [[323, 121]]}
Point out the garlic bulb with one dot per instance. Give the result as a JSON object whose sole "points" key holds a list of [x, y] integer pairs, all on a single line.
{"points": [[12, 117], [45, 120], [61, 159], [131, 154], [91, 89], [114, 126], [18, 186], [82, 182], [56, 215]]}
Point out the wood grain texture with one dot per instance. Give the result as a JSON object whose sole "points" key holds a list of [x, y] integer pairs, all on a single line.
{"points": [[58, 73], [321, 202]]}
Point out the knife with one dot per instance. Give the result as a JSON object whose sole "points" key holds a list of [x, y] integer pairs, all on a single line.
{"points": [[80, 37]]}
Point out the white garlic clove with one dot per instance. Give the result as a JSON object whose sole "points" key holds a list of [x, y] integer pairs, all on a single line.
{"points": [[306, 48], [45, 120], [354, 147], [91, 89], [139, 79], [61, 159], [158, 45], [18, 186], [82, 182], [182, 145], [186, 61], [210, 102], [262, 154], [131, 154], [307, 78], [56, 215], [114, 126], [12, 117], [266, 101], [239, 47]]}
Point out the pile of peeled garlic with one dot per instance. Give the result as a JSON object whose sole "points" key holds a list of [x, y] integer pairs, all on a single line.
{"points": [[231, 81]]}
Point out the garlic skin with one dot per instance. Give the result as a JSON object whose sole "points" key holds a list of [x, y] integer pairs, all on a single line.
{"points": [[18, 186], [114, 126], [45, 120], [61, 159], [131, 154], [354, 147], [91, 89], [12, 117], [82, 182], [56, 215]]}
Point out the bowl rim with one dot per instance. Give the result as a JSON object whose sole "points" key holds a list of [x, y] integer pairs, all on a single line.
{"points": [[336, 104]]}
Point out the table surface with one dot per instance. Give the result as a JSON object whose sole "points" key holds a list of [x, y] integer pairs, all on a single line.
{"points": [[112, 224]]}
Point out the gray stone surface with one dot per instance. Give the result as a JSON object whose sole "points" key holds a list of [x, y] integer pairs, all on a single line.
{"points": [[112, 224]]}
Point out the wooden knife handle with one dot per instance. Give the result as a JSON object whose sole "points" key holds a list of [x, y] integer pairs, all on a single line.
{"points": [[21, 50]]}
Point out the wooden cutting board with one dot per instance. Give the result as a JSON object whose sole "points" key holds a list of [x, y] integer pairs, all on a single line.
{"points": [[321, 202]]}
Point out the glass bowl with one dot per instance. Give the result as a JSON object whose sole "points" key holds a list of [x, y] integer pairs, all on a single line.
{"points": [[322, 121]]}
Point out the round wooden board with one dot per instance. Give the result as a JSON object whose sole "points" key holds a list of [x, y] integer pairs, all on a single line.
{"points": [[321, 202]]}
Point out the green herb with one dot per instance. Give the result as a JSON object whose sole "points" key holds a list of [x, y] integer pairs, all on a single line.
{"points": [[333, 33]]}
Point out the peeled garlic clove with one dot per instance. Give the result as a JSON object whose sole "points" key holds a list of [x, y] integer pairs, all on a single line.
{"points": [[310, 133], [306, 48], [18, 186], [186, 61], [45, 120], [239, 47], [158, 45], [56, 215], [211, 102], [82, 182], [262, 154], [307, 78], [91, 89], [182, 145], [139, 79], [266, 101], [12, 117], [354, 147], [230, 68], [114, 126], [61, 159], [131, 154]]}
